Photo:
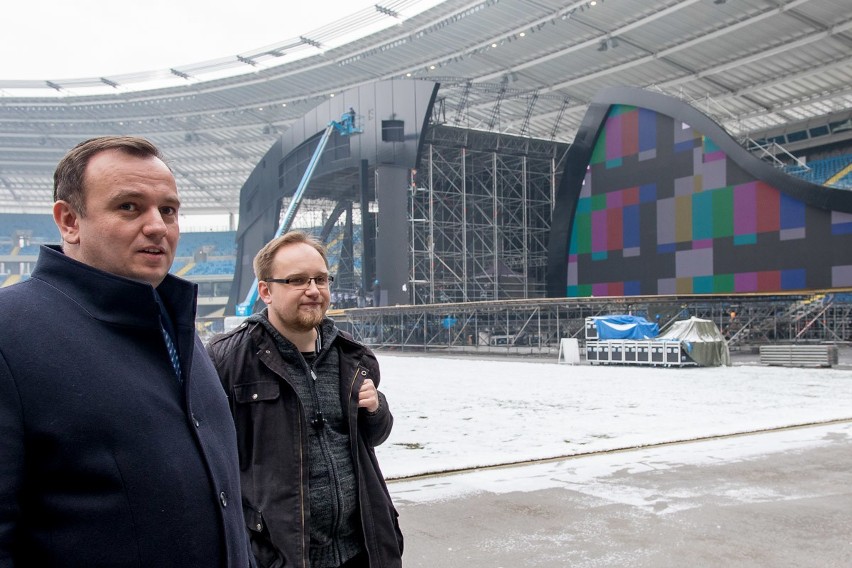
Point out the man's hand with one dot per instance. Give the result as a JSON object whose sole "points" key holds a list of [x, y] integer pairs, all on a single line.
{"points": [[368, 396]]}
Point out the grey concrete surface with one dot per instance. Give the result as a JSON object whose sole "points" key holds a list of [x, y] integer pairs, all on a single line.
{"points": [[782, 503]]}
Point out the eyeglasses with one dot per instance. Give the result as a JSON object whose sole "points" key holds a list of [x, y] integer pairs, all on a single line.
{"points": [[303, 282]]}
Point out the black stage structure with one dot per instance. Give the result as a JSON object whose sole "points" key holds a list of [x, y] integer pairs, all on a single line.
{"points": [[357, 194], [464, 233], [421, 210]]}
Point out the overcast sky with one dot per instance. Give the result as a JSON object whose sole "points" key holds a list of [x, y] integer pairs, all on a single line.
{"points": [[60, 39]]}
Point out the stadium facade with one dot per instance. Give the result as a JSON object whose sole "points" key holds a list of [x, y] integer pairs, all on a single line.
{"points": [[482, 161]]}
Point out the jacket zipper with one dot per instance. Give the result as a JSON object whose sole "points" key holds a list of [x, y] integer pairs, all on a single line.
{"points": [[318, 422]]}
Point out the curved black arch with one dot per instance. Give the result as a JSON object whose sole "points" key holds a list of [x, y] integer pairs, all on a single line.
{"points": [[344, 164]]}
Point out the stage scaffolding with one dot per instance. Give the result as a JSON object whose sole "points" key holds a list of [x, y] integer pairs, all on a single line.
{"points": [[535, 326], [480, 214]]}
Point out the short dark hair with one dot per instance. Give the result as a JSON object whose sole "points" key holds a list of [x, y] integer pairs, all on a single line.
{"points": [[68, 177], [263, 259]]}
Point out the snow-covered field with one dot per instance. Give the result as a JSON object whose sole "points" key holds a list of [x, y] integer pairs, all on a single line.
{"points": [[453, 413]]}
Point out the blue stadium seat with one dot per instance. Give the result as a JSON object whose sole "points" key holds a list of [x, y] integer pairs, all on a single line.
{"points": [[822, 170], [212, 267], [220, 243], [42, 227]]}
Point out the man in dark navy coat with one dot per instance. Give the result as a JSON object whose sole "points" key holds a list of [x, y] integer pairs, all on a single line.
{"points": [[117, 446]]}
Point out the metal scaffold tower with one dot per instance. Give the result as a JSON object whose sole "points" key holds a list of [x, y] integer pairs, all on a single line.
{"points": [[480, 214]]}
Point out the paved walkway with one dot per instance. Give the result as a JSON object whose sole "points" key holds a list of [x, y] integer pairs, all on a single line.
{"points": [[780, 499]]}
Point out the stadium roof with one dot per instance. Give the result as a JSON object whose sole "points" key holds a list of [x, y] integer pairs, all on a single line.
{"points": [[526, 67]]}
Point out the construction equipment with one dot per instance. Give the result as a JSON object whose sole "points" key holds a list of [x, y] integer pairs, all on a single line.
{"points": [[345, 127]]}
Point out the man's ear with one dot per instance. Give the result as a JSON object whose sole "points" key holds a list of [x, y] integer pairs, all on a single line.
{"points": [[68, 222], [263, 292]]}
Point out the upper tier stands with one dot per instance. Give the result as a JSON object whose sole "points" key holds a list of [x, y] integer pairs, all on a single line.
{"points": [[21, 235], [198, 254], [211, 243], [210, 268], [822, 171], [40, 227]]}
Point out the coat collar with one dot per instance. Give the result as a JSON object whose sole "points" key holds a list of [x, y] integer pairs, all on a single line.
{"points": [[114, 299]]}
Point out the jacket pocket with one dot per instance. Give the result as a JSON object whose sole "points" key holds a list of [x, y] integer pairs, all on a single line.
{"points": [[264, 551], [254, 519], [249, 410], [256, 392]]}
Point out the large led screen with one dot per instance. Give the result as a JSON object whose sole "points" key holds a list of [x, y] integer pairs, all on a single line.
{"points": [[664, 209]]}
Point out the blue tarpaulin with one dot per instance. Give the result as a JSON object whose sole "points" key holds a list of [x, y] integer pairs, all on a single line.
{"points": [[625, 327]]}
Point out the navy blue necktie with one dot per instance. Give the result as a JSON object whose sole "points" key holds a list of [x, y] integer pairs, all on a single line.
{"points": [[173, 354], [166, 328]]}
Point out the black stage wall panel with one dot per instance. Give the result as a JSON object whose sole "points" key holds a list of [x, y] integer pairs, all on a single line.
{"points": [[392, 234], [260, 203]]}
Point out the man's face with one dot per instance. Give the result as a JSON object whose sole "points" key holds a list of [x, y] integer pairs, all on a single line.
{"points": [[291, 309], [131, 223]]}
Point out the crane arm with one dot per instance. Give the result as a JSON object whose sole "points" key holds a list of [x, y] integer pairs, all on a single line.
{"points": [[345, 127]]}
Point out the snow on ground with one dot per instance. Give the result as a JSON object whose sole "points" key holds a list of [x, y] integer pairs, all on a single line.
{"points": [[599, 475], [453, 413]]}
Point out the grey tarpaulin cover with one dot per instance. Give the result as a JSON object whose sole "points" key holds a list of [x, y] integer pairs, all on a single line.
{"points": [[703, 341]]}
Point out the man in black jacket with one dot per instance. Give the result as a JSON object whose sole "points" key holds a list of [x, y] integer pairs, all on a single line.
{"points": [[117, 448], [308, 414]]}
